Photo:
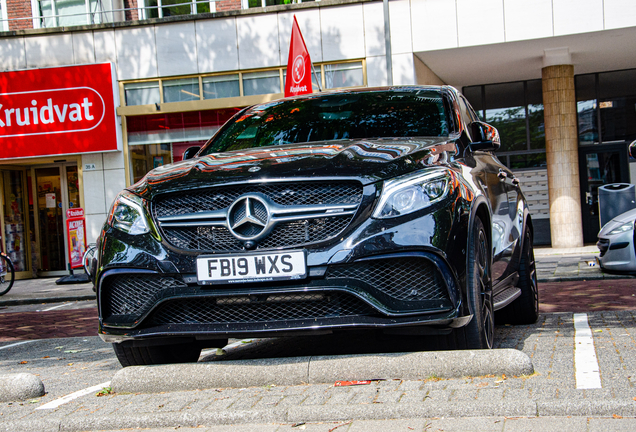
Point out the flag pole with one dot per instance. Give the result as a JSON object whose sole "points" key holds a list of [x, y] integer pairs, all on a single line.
{"points": [[313, 69]]}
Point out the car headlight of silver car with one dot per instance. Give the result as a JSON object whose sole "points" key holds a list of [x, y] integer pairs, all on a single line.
{"points": [[412, 192], [129, 215], [627, 226]]}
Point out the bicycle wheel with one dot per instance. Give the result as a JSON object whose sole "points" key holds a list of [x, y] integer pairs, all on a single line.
{"points": [[7, 275], [88, 258]]}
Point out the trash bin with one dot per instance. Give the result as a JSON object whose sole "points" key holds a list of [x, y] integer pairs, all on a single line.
{"points": [[615, 199]]}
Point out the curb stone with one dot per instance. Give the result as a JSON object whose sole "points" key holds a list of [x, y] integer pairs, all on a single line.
{"points": [[19, 387], [321, 369]]}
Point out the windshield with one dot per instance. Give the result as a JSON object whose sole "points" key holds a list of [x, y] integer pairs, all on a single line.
{"points": [[392, 114]]}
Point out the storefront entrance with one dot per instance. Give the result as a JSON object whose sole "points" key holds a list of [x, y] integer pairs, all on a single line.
{"points": [[599, 165], [33, 214]]}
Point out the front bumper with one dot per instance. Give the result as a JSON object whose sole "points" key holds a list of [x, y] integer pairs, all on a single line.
{"points": [[617, 252]]}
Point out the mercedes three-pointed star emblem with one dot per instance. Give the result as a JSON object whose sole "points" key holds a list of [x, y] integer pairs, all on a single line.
{"points": [[248, 217]]}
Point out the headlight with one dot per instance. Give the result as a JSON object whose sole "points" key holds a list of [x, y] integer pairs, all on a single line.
{"points": [[412, 192], [623, 228], [128, 214]]}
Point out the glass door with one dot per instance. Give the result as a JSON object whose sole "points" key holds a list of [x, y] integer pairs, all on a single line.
{"points": [[14, 236], [599, 165], [55, 190]]}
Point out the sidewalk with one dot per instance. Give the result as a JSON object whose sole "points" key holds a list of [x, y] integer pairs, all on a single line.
{"points": [[553, 265]]}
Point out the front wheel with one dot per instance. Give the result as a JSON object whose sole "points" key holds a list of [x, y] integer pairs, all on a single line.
{"points": [[479, 333], [7, 274]]}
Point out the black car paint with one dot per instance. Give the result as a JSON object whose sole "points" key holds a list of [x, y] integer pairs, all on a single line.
{"points": [[367, 161]]}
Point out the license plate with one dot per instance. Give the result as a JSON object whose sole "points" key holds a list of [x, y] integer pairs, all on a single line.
{"points": [[242, 268]]}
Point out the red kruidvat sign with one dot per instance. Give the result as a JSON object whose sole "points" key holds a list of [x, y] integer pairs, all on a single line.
{"points": [[55, 111]]}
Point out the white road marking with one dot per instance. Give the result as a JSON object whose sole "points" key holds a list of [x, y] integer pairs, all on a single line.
{"points": [[18, 343], [585, 362], [65, 399], [54, 307]]}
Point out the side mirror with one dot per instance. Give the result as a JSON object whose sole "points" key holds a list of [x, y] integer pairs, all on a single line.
{"points": [[190, 152], [485, 137], [632, 149]]}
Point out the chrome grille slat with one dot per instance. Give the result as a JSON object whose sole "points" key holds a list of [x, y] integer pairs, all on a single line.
{"points": [[302, 213]]}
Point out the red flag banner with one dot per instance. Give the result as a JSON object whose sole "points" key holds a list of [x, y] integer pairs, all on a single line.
{"points": [[298, 79]]}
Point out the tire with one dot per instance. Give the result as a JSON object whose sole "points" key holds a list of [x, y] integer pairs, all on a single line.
{"points": [[479, 333], [157, 354], [525, 308], [7, 275]]}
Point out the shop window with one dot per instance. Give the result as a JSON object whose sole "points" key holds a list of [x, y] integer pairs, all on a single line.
{"points": [[586, 109], [142, 93], [617, 106], [221, 86], [256, 83], [516, 110], [344, 75], [143, 158], [180, 90]]}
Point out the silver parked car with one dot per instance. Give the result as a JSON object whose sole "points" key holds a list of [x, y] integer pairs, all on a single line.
{"points": [[616, 243]]}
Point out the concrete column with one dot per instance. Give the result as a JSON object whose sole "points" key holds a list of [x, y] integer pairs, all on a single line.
{"points": [[562, 156]]}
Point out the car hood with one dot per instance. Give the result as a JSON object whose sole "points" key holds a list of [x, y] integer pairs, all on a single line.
{"points": [[365, 160], [618, 221]]}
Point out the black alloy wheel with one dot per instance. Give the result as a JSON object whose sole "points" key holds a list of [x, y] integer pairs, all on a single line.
{"points": [[479, 333], [525, 308]]}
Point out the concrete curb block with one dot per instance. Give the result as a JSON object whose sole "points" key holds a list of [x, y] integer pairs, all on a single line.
{"points": [[27, 301], [321, 369], [424, 409], [19, 387]]}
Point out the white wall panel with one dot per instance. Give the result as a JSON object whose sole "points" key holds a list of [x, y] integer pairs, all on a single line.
{"points": [[113, 160], [434, 24], [12, 54], [309, 23], [577, 16], [403, 69], [94, 197], [528, 20], [136, 53], [619, 13], [115, 182], [176, 49], [83, 48], [94, 224], [376, 71], [374, 28], [258, 44], [50, 50], [480, 23], [93, 158], [342, 30], [401, 37], [105, 47], [217, 45]]}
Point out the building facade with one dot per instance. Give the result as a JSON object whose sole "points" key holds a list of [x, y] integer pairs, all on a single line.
{"points": [[556, 77]]}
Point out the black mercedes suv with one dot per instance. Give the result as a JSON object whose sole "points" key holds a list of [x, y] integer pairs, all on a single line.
{"points": [[377, 208]]}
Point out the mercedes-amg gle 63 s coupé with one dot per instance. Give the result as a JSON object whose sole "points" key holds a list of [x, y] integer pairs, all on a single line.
{"points": [[376, 208]]}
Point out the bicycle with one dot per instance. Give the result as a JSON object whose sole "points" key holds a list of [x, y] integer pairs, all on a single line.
{"points": [[88, 258], [7, 274]]}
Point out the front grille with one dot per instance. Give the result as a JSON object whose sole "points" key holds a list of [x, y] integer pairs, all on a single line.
{"points": [[404, 279], [280, 193], [132, 295], [296, 233], [260, 308]]}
